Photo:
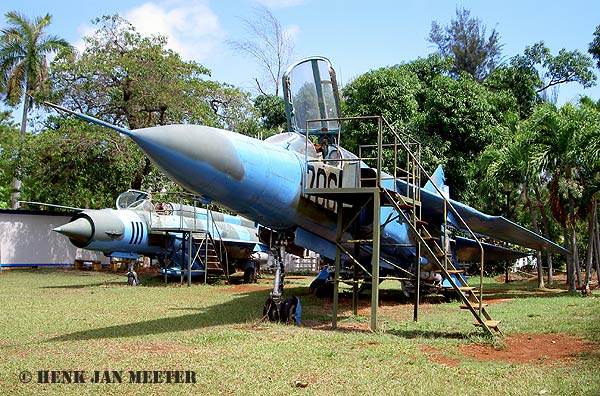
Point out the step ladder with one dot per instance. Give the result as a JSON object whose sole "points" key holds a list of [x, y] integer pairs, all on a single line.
{"points": [[211, 254], [439, 257]]}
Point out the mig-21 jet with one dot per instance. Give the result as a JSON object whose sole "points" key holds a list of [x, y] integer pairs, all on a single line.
{"points": [[176, 234]]}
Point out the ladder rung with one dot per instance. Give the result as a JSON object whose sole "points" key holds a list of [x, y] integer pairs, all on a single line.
{"points": [[451, 271], [431, 238], [475, 306], [466, 288], [489, 323]]}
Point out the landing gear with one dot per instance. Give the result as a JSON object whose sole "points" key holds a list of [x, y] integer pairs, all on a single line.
{"points": [[276, 309], [250, 275], [289, 311], [132, 278]]}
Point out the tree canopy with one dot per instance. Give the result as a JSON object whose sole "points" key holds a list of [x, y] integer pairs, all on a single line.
{"points": [[465, 40]]}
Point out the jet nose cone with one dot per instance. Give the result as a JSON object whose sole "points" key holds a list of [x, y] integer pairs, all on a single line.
{"points": [[191, 154], [79, 230]]}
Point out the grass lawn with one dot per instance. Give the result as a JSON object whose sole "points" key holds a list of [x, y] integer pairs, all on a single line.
{"points": [[78, 321]]}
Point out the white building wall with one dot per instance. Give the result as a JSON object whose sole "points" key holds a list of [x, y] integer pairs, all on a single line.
{"points": [[27, 239]]}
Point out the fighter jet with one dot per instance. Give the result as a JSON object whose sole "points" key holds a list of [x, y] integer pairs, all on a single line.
{"points": [[311, 192], [174, 233]]}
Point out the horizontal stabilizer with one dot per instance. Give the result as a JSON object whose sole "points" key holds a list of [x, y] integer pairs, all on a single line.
{"points": [[468, 251]]}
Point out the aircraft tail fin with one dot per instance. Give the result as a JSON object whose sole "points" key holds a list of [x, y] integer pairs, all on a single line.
{"points": [[438, 179]]}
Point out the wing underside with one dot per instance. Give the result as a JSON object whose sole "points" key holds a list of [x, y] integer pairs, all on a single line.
{"points": [[468, 251], [496, 227]]}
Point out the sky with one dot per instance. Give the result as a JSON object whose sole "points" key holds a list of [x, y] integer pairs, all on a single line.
{"points": [[357, 36]]}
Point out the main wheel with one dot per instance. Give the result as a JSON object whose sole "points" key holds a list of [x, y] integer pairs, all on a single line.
{"points": [[271, 311], [249, 275], [132, 279], [288, 310]]}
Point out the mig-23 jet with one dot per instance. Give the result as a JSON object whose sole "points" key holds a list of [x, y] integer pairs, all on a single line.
{"points": [[369, 212]]}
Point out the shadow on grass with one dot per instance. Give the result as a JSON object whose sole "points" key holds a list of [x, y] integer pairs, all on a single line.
{"points": [[410, 334], [83, 286], [493, 295], [247, 306]]}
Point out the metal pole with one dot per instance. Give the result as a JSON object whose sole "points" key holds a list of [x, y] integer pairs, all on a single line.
{"points": [[418, 286], [375, 260], [189, 274], [208, 212], [355, 272], [336, 274]]}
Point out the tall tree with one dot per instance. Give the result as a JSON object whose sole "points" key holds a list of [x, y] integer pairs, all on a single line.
{"points": [[452, 118], [9, 143], [269, 45], [23, 49], [508, 164], [132, 81], [594, 48], [529, 75], [565, 138], [465, 39]]}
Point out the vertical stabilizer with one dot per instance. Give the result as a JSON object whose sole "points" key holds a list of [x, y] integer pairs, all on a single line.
{"points": [[438, 179]]}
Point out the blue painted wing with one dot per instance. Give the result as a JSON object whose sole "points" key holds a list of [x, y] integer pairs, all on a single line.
{"points": [[468, 250], [496, 227]]}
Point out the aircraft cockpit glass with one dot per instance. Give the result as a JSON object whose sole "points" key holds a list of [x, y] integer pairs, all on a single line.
{"points": [[310, 93], [131, 198], [292, 142]]}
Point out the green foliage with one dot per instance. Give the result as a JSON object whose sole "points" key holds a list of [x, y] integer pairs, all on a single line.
{"points": [[465, 40], [272, 110], [594, 48], [133, 81], [23, 49], [9, 144], [78, 165], [452, 118]]}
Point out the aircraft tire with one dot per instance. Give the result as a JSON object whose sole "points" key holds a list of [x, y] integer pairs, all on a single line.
{"points": [[249, 275], [288, 310], [132, 279], [271, 311]]}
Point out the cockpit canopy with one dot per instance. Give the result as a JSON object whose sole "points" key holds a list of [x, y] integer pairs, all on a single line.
{"points": [[311, 92], [293, 142], [131, 198]]}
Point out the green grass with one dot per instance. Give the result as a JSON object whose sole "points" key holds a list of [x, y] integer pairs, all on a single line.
{"points": [[71, 320]]}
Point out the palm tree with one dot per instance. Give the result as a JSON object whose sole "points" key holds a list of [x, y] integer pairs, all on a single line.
{"points": [[23, 50], [559, 139], [509, 165]]}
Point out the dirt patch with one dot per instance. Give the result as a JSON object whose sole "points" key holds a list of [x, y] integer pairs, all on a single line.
{"points": [[246, 288], [518, 348], [540, 348], [368, 344], [436, 356]]}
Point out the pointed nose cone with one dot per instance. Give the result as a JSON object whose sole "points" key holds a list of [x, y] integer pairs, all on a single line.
{"points": [[193, 155], [79, 230]]}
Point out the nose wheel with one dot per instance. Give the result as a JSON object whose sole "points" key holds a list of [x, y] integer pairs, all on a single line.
{"points": [[132, 277], [276, 309], [286, 311]]}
